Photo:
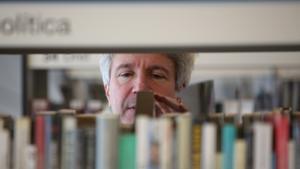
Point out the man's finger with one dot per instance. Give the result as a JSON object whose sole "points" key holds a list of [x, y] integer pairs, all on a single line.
{"points": [[158, 110], [174, 104]]}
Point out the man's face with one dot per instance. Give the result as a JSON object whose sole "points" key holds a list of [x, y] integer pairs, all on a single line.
{"points": [[131, 73]]}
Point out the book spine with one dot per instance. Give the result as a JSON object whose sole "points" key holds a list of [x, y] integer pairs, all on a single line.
{"points": [[184, 141], [127, 151], [56, 143], [291, 154], [30, 155], [68, 154], [9, 125], [81, 148], [21, 142], [196, 145], [228, 140], [39, 140], [240, 151], [219, 154], [209, 144], [166, 143], [143, 148], [4, 149], [248, 132], [281, 127], [47, 141], [262, 145], [107, 141], [219, 160], [90, 152], [296, 137], [154, 144]]}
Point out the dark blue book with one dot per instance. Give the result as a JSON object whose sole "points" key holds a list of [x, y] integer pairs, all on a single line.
{"points": [[296, 137]]}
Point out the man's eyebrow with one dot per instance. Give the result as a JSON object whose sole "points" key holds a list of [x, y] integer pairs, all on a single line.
{"points": [[124, 65], [158, 67]]}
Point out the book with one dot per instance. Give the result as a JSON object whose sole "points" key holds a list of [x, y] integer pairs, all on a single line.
{"points": [[143, 148], [296, 138], [86, 124], [39, 141], [43, 139], [228, 140], [240, 151], [183, 141], [48, 140], [247, 128], [281, 135], [291, 154], [145, 104], [208, 146], [90, 137], [262, 145], [81, 147], [30, 157], [68, 142], [196, 144], [127, 151], [165, 139], [107, 126], [154, 144], [5, 148], [8, 124], [21, 142], [57, 135]]}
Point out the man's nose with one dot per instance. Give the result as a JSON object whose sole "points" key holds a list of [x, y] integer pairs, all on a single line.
{"points": [[141, 84]]}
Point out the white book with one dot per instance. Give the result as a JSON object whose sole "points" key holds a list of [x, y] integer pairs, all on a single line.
{"points": [[31, 156], [142, 146], [107, 127], [184, 141], [208, 146], [262, 145], [4, 149], [166, 143], [240, 154], [292, 154], [21, 142]]}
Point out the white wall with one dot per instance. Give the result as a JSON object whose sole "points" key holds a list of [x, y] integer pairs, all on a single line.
{"points": [[210, 66], [11, 85]]}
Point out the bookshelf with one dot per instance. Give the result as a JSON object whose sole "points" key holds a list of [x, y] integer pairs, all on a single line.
{"points": [[65, 140]]}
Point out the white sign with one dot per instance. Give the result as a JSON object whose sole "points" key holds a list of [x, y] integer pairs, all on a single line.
{"points": [[148, 24], [64, 61]]}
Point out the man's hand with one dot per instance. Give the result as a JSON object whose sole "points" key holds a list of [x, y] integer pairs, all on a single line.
{"points": [[164, 105]]}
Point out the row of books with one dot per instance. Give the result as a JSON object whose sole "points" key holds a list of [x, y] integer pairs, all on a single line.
{"points": [[63, 140], [81, 106]]}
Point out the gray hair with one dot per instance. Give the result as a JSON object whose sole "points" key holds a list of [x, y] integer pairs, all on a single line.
{"points": [[184, 63]]}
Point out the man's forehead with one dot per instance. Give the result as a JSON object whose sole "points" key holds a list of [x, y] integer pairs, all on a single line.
{"points": [[136, 59]]}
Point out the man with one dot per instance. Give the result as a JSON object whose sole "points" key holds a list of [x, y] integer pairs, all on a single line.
{"points": [[164, 74]]}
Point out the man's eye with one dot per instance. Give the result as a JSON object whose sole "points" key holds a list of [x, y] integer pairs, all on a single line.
{"points": [[158, 76], [125, 74], [124, 77]]}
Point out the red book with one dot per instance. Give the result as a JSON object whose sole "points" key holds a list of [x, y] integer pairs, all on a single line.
{"points": [[281, 139], [39, 140]]}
